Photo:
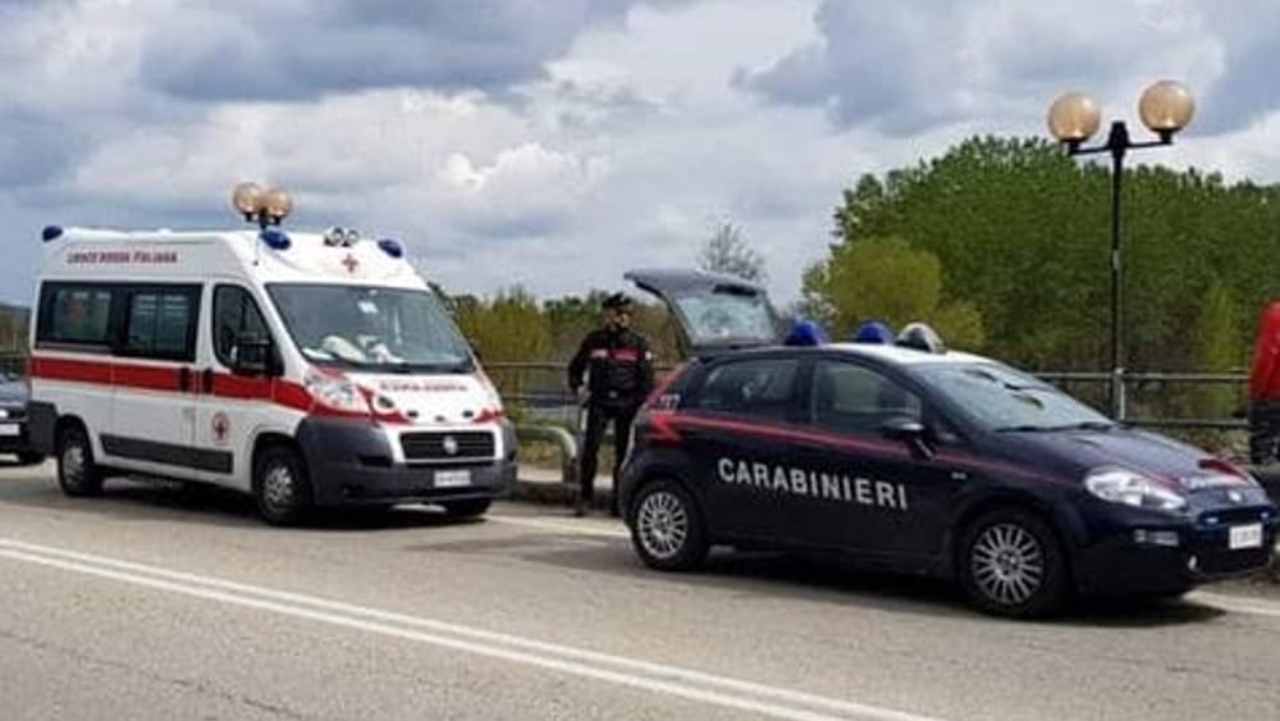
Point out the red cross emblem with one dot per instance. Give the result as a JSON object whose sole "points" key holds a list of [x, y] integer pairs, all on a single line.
{"points": [[221, 427], [351, 263]]}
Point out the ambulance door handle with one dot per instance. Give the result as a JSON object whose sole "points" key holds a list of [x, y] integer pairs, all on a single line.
{"points": [[206, 381], [184, 379]]}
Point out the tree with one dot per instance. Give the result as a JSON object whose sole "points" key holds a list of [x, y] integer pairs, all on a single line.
{"points": [[726, 251], [886, 279]]}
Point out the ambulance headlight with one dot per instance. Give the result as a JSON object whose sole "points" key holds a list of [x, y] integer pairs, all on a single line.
{"points": [[1118, 485], [277, 204], [247, 199], [336, 393]]}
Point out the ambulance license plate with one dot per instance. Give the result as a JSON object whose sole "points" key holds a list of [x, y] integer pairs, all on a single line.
{"points": [[1246, 536], [9, 429], [457, 479]]}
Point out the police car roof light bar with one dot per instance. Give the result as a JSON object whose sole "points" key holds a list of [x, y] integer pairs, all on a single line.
{"points": [[919, 336], [806, 333]]}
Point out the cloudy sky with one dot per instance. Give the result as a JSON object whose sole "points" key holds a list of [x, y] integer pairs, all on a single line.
{"points": [[556, 143]]}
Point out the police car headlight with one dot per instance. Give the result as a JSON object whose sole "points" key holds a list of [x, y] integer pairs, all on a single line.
{"points": [[1121, 486], [336, 392]]}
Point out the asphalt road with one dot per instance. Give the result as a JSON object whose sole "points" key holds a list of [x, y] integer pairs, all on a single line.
{"points": [[153, 604]]}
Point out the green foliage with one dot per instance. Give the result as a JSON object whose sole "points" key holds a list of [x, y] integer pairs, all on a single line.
{"points": [[886, 279], [1022, 233], [509, 327]]}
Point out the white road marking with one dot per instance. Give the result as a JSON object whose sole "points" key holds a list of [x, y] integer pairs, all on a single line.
{"points": [[1238, 604], [673, 680], [580, 529]]}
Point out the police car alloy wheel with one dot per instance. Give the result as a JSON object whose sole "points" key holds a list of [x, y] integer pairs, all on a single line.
{"points": [[78, 475], [666, 528], [281, 487], [1011, 564]]}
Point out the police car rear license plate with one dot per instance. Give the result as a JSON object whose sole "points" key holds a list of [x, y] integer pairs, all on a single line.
{"points": [[1246, 536], [8, 429], [454, 479]]}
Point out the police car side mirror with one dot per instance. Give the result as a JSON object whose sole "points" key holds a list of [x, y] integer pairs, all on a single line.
{"points": [[903, 429]]}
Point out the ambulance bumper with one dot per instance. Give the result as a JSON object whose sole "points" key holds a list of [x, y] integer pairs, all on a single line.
{"points": [[350, 464]]}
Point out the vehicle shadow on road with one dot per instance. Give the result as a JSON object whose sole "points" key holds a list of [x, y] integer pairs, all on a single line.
{"points": [[825, 579], [210, 505]]}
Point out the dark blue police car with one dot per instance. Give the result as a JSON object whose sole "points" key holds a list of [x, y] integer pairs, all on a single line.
{"points": [[921, 460]]}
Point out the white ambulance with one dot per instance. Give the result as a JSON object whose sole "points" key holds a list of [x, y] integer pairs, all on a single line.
{"points": [[306, 369]]}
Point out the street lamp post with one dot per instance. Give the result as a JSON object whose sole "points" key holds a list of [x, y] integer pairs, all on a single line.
{"points": [[1166, 107]]}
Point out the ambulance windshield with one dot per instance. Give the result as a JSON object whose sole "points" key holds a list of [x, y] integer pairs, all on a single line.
{"points": [[371, 328]]}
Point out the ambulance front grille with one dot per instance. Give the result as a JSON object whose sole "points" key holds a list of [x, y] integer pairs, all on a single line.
{"points": [[449, 447]]}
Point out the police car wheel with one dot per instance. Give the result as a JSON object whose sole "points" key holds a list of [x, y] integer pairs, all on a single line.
{"points": [[281, 487], [1011, 564], [467, 509], [78, 475], [666, 528]]}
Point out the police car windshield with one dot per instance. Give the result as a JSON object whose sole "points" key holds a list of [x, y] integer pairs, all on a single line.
{"points": [[999, 398], [724, 317], [370, 328]]}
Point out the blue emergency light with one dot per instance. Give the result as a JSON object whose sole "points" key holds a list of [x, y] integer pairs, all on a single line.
{"points": [[275, 239], [806, 333], [51, 232], [391, 247], [874, 332]]}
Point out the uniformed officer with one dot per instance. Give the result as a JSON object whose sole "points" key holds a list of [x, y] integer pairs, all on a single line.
{"points": [[621, 377]]}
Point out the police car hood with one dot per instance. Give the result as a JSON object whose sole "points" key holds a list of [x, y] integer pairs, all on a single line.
{"points": [[445, 399], [1157, 457]]}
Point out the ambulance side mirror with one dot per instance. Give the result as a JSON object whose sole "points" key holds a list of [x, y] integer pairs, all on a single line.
{"points": [[255, 356]]}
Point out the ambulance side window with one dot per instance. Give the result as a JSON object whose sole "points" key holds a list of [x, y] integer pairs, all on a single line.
{"points": [[73, 313], [766, 388], [235, 316], [161, 322], [850, 398]]}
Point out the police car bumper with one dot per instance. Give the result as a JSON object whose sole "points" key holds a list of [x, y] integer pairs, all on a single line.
{"points": [[1144, 557], [353, 466]]}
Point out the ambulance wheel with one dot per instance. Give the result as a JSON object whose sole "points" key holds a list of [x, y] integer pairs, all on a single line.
{"points": [[467, 509], [281, 486], [78, 475], [1012, 564], [666, 528]]}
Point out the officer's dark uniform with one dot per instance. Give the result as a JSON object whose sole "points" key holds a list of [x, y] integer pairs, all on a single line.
{"points": [[621, 377]]}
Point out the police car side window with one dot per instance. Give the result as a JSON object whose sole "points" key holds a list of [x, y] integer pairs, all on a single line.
{"points": [[235, 315], [764, 388], [850, 398]]}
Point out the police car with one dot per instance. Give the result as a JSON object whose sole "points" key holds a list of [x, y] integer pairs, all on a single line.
{"points": [[918, 459], [306, 369]]}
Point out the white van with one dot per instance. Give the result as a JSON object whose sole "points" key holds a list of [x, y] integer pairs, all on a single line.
{"points": [[306, 369]]}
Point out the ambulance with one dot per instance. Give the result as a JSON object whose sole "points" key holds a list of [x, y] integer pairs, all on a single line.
{"points": [[306, 369]]}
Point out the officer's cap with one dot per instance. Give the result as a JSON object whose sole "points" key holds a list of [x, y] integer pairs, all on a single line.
{"points": [[617, 301]]}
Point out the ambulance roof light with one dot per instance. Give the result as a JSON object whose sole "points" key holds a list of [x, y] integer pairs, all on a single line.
{"points": [[921, 337], [51, 232], [275, 239], [806, 333], [391, 247], [341, 237]]}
